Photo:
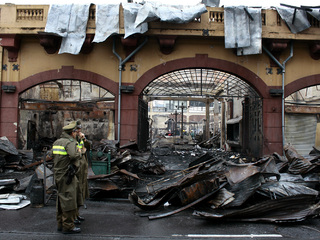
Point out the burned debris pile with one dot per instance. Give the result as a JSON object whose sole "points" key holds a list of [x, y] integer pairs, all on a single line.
{"points": [[114, 170], [229, 188], [178, 175]]}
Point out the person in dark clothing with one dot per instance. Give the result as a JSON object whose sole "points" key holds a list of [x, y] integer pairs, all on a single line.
{"points": [[83, 145], [66, 157]]}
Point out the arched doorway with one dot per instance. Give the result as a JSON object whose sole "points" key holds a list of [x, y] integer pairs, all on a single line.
{"points": [[45, 108], [208, 101], [302, 113], [302, 119], [9, 125]]}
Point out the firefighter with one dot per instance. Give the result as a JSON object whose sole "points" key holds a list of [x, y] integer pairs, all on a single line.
{"points": [[67, 157], [83, 145]]}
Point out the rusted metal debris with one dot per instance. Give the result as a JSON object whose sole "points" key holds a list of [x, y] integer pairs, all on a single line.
{"points": [[286, 209], [197, 201], [213, 142], [92, 176], [226, 185], [6, 147], [297, 163], [27, 169], [271, 189]]}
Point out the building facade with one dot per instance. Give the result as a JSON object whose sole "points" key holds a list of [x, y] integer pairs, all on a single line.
{"points": [[288, 62]]}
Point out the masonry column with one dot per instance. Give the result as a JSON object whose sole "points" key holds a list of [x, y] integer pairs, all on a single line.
{"points": [[272, 126], [129, 118], [10, 70], [9, 113]]}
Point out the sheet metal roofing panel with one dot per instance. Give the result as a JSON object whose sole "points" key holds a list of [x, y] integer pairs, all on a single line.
{"points": [[236, 31], [300, 21], [255, 27]]}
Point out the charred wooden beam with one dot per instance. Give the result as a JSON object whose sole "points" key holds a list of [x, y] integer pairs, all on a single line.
{"points": [[43, 106], [302, 109]]}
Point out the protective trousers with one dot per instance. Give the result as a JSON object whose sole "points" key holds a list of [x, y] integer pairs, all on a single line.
{"points": [[65, 219]]}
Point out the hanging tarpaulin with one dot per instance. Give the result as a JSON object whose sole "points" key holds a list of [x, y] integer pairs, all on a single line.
{"points": [[255, 28], [315, 13], [243, 29], [70, 22], [146, 14], [130, 12], [211, 3], [77, 30], [236, 27], [296, 19], [180, 14], [107, 21], [58, 19], [168, 13]]}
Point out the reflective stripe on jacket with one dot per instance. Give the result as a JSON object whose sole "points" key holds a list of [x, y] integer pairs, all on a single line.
{"points": [[80, 144], [59, 150]]}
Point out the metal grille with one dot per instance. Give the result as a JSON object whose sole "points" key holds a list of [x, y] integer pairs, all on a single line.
{"points": [[199, 82], [255, 127]]}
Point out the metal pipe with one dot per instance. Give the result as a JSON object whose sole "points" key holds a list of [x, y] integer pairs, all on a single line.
{"points": [[119, 90], [283, 96], [109, 162], [121, 63], [283, 70]]}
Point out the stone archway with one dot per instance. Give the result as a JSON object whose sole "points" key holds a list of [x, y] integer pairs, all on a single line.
{"points": [[202, 61], [271, 106], [9, 108], [68, 72], [301, 83]]}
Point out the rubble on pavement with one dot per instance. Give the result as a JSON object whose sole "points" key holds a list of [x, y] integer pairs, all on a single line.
{"points": [[216, 184], [270, 189]]}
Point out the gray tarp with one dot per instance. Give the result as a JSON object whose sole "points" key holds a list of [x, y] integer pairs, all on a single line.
{"points": [[70, 22], [236, 30], [255, 28], [58, 19], [130, 12], [168, 13], [241, 32], [300, 23], [211, 3], [315, 14], [107, 21]]}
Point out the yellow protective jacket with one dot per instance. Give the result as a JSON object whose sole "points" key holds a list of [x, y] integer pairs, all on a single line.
{"points": [[65, 152]]}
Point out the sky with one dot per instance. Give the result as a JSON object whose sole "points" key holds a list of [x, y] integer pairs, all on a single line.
{"points": [[176, 2]]}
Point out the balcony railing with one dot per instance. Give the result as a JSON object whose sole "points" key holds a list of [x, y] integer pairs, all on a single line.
{"points": [[30, 14]]}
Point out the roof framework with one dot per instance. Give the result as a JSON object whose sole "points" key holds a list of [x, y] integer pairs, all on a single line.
{"points": [[199, 83]]}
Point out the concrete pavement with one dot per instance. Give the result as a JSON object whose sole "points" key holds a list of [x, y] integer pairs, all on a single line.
{"points": [[119, 219]]}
